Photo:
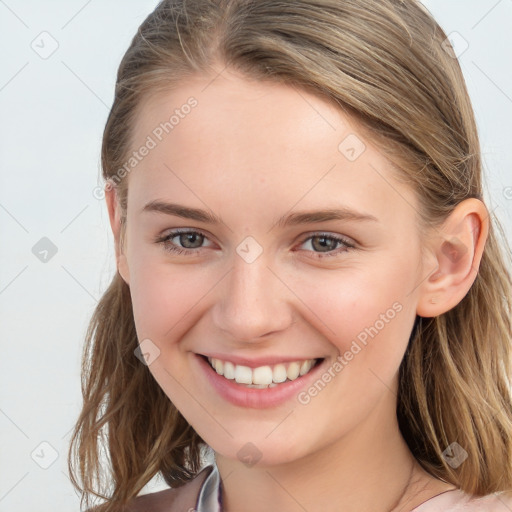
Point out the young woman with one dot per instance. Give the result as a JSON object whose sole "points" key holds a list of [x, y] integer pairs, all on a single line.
{"points": [[310, 288]]}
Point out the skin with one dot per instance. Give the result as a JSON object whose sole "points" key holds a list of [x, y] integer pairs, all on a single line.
{"points": [[251, 152]]}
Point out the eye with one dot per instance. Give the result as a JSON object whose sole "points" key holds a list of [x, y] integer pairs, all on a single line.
{"points": [[324, 245], [190, 241]]}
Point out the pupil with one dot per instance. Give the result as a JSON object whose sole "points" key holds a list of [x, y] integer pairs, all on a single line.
{"points": [[326, 243], [189, 237]]}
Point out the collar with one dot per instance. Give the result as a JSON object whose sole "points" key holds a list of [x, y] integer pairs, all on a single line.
{"points": [[210, 495]]}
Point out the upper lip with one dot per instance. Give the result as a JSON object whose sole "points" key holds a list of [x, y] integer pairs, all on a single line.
{"points": [[257, 361]]}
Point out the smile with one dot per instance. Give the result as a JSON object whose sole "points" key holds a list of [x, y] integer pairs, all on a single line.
{"points": [[262, 377]]}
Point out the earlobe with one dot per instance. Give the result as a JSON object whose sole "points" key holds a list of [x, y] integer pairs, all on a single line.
{"points": [[114, 213], [455, 257]]}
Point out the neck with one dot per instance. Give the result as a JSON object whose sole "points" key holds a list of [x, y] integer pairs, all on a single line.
{"points": [[368, 469]]}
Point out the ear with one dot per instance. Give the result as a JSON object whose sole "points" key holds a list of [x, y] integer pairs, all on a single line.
{"points": [[114, 213], [453, 257]]}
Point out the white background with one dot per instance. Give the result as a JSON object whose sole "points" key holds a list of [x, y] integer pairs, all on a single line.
{"points": [[53, 112]]}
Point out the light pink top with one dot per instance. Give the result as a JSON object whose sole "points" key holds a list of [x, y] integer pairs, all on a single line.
{"points": [[204, 494], [210, 499], [458, 501]]}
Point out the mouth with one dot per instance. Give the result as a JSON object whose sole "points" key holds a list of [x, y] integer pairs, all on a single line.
{"points": [[265, 376]]}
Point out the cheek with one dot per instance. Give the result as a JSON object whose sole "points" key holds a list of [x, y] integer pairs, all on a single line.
{"points": [[165, 298], [366, 312]]}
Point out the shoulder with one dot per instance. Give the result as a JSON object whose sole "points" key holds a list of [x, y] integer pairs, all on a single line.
{"points": [[458, 501], [498, 502], [179, 499]]}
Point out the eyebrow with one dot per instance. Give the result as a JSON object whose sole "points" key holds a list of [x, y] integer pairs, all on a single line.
{"points": [[293, 219]]}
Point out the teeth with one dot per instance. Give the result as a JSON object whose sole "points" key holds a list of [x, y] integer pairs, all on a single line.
{"points": [[293, 371], [219, 367], [263, 376], [279, 373], [243, 374], [305, 367], [229, 369]]}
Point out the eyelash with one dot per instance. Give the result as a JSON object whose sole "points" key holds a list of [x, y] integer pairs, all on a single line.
{"points": [[168, 246]]}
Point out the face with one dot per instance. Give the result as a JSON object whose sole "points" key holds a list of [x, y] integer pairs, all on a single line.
{"points": [[252, 281]]}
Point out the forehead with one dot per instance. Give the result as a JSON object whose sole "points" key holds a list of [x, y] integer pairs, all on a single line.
{"points": [[230, 135], [230, 106]]}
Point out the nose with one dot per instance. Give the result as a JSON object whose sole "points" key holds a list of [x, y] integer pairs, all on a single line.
{"points": [[252, 302]]}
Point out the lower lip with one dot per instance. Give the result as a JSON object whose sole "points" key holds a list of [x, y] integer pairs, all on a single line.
{"points": [[254, 398]]}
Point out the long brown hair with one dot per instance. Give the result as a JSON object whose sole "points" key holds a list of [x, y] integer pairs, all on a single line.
{"points": [[386, 62]]}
